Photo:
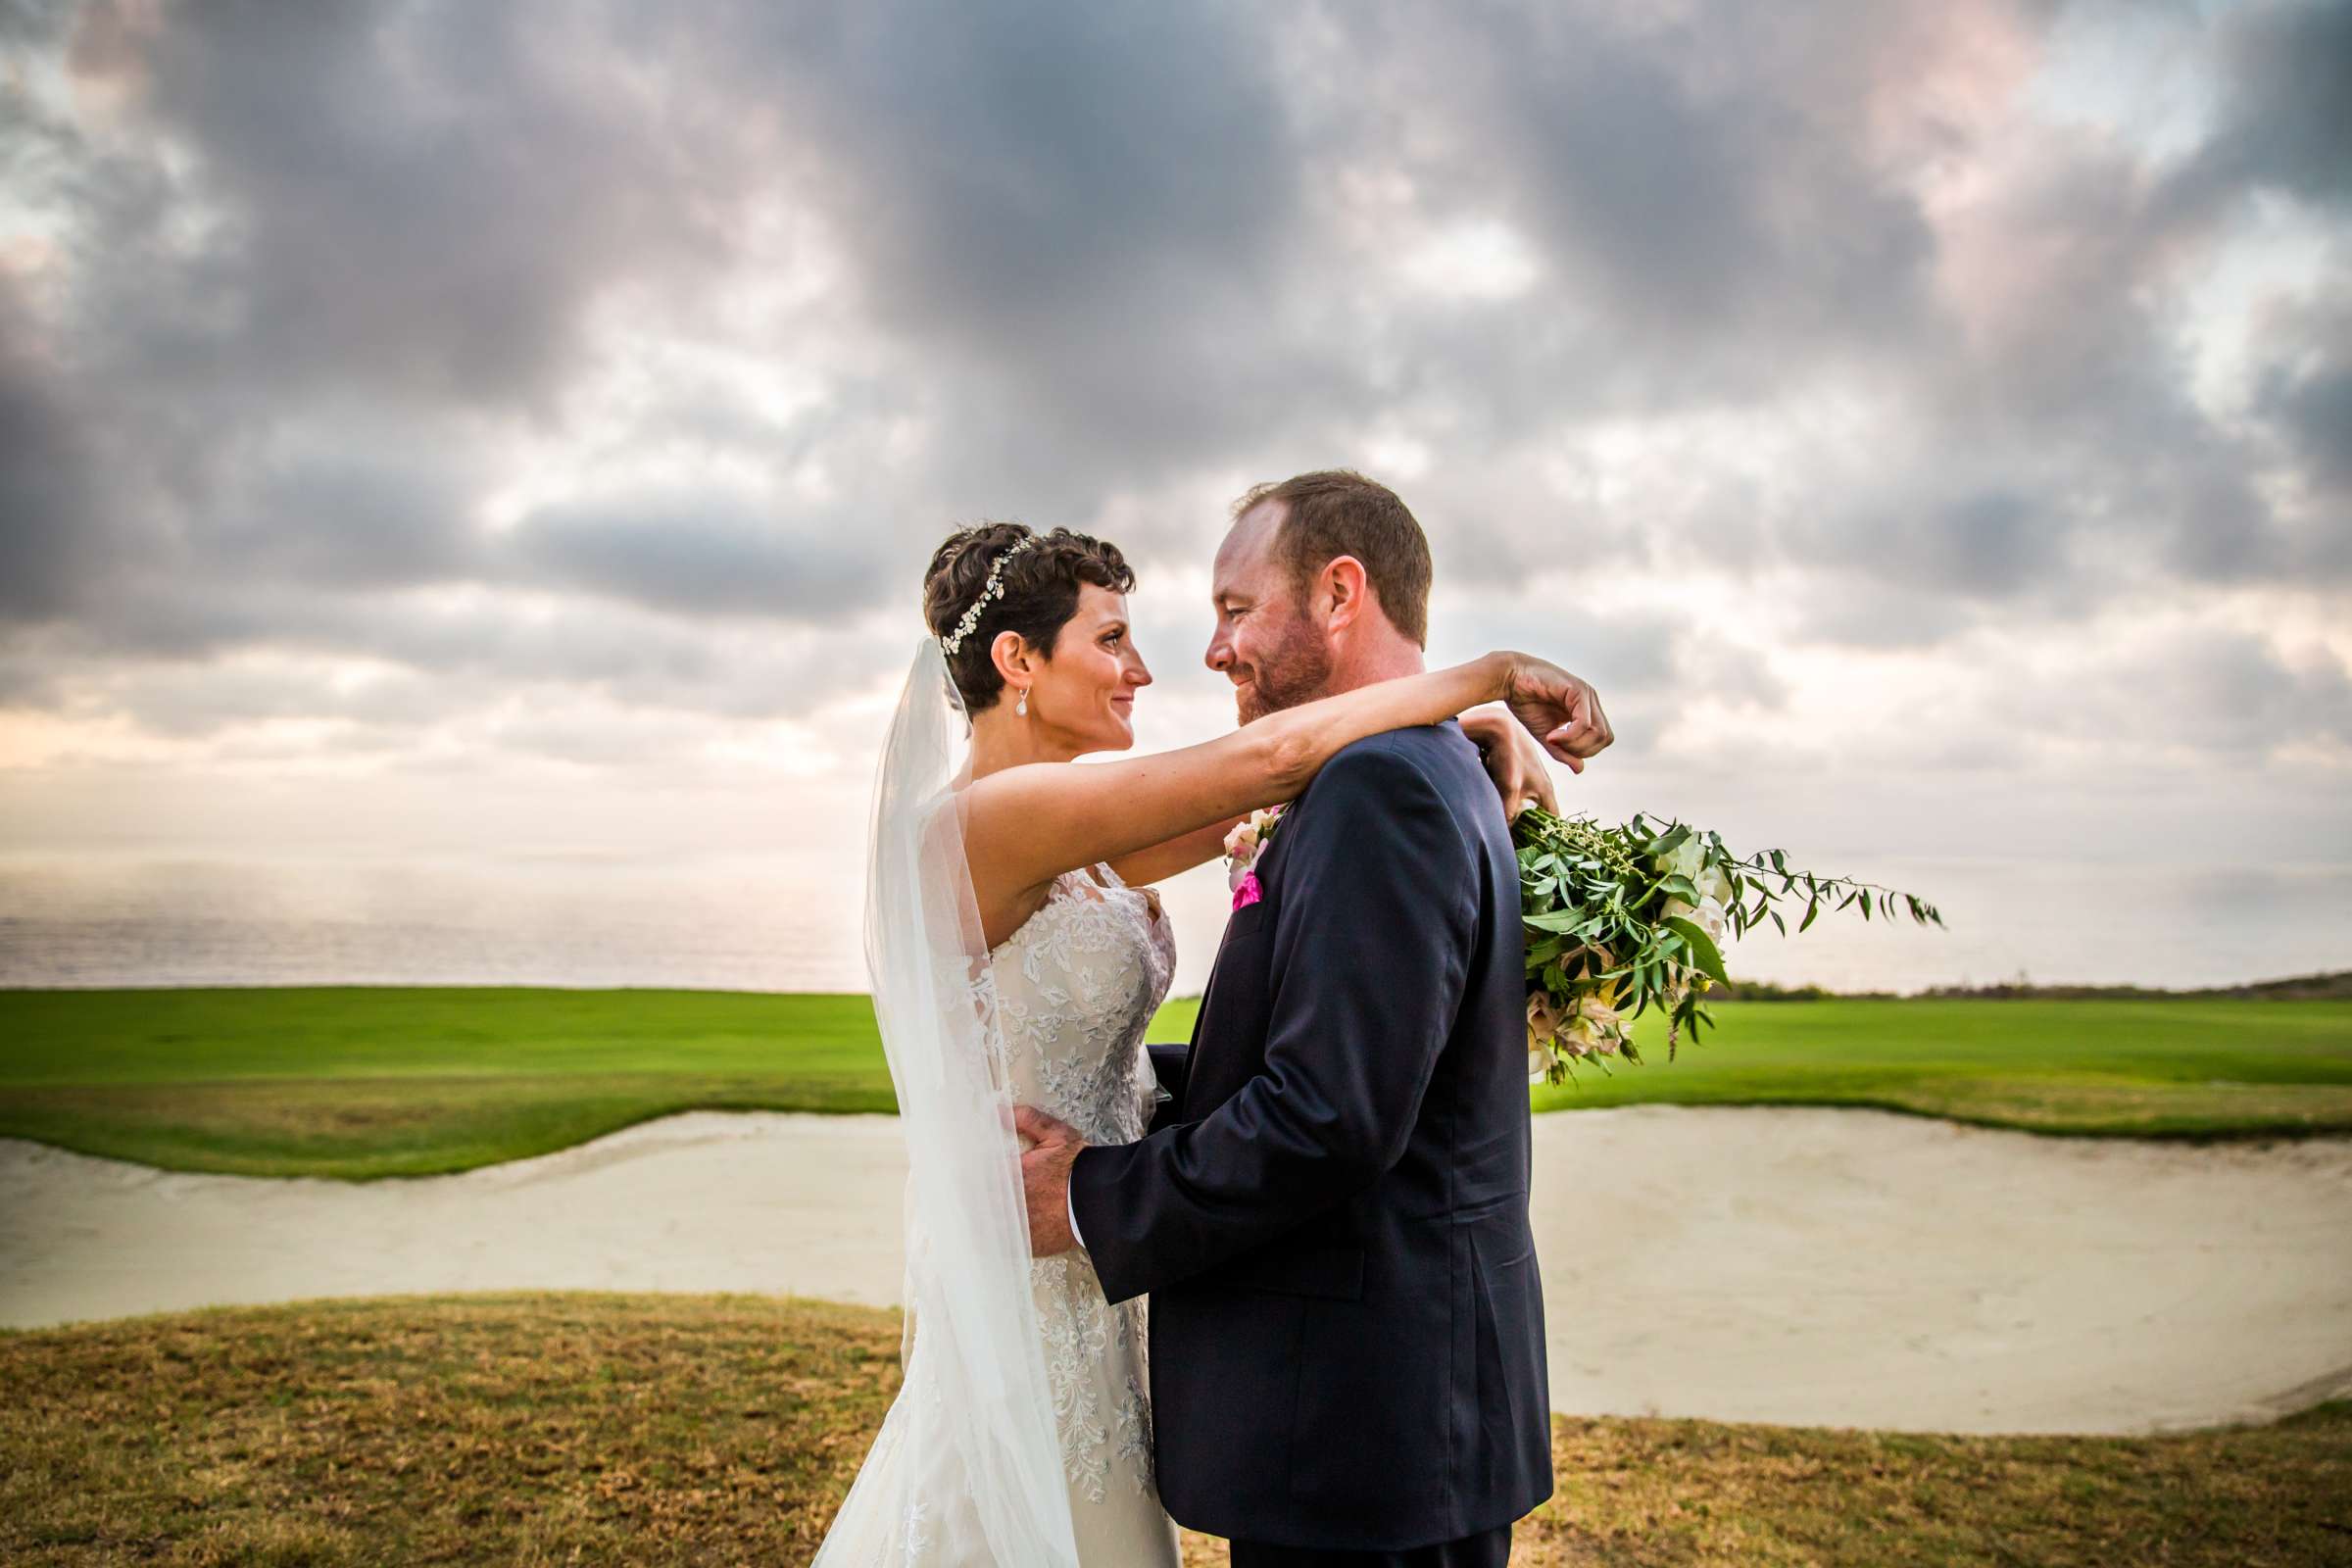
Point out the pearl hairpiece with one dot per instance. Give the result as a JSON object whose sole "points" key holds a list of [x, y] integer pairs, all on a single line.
{"points": [[991, 590]]}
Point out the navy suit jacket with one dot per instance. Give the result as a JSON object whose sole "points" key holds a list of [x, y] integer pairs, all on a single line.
{"points": [[1346, 1320]]}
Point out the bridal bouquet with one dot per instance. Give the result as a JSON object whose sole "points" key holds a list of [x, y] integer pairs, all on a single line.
{"points": [[1622, 919]]}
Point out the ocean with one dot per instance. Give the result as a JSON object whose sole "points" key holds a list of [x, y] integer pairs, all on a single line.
{"points": [[144, 919]]}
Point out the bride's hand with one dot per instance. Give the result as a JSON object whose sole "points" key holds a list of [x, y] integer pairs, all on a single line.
{"points": [[1514, 762], [1557, 708]]}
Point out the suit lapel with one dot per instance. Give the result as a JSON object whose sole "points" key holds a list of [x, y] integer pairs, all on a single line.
{"points": [[1269, 865]]}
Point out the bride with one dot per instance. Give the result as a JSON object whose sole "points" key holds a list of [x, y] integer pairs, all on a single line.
{"points": [[1017, 954]]}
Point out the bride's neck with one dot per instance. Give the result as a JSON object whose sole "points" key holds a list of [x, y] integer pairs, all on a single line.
{"points": [[1002, 739]]}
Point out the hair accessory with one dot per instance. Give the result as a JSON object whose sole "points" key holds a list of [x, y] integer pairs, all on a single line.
{"points": [[993, 589]]}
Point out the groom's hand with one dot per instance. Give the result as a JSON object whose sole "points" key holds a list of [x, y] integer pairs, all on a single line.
{"points": [[1046, 1179], [1558, 708]]}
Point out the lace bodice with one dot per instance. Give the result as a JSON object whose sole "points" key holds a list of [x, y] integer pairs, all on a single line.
{"points": [[1074, 989]]}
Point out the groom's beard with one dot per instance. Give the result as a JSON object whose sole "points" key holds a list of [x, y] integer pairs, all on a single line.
{"points": [[1296, 669]]}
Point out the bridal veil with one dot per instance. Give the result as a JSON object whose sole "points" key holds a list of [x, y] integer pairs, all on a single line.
{"points": [[967, 1468]]}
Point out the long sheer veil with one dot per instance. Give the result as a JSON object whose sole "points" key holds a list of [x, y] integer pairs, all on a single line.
{"points": [[967, 1468]]}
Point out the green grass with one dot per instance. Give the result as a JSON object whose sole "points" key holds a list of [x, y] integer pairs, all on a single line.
{"points": [[393, 1081], [409, 1080], [691, 1430], [2187, 1068]]}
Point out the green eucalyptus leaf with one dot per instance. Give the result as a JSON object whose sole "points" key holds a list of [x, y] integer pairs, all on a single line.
{"points": [[1703, 955]]}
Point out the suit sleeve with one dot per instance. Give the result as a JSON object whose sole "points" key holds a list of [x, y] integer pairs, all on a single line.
{"points": [[1372, 936]]}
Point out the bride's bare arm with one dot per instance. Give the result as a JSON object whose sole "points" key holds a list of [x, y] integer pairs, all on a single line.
{"points": [[1026, 825], [1514, 762], [1156, 863]]}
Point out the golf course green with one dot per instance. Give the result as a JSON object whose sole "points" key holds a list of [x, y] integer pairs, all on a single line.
{"points": [[387, 1081]]}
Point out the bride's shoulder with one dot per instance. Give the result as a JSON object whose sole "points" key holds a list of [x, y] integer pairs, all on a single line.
{"points": [[1010, 807]]}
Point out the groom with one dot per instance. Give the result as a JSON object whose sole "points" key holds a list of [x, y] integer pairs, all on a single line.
{"points": [[1347, 1360]]}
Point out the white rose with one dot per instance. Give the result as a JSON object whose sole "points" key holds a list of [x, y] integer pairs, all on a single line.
{"points": [[1713, 919], [1687, 858], [1706, 914]]}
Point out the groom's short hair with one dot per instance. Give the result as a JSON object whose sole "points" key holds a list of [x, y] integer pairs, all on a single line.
{"points": [[1338, 511]]}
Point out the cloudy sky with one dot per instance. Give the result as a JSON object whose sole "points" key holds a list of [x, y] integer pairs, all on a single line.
{"points": [[460, 429]]}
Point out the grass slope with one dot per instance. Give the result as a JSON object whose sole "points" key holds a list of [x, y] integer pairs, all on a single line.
{"points": [[2194, 1068], [364, 1082], [691, 1430], [409, 1080]]}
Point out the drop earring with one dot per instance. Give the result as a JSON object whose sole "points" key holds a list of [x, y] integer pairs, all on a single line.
{"points": [[1021, 707]]}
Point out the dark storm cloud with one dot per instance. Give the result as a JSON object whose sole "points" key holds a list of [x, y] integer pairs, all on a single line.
{"points": [[49, 517], [418, 201], [1983, 543], [350, 521], [699, 556], [2305, 391], [303, 258], [1022, 174], [1699, 202], [33, 21], [1088, 224], [317, 267], [2315, 408], [2076, 405], [2287, 123]]}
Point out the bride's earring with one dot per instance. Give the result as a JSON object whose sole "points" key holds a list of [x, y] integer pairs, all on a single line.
{"points": [[1021, 709]]}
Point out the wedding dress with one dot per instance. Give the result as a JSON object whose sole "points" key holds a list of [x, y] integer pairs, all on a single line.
{"points": [[1074, 988], [1022, 1433]]}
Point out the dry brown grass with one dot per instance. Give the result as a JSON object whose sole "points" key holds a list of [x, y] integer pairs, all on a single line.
{"points": [[716, 1430]]}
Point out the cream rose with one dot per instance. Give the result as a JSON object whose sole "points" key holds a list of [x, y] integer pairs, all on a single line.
{"points": [[1542, 1016], [1596, 1028]]}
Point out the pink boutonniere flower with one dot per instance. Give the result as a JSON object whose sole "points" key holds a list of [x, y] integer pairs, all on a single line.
{"points": [[1242, 846]]}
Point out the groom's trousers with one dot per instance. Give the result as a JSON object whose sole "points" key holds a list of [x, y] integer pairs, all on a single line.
{"points": [[1489, 1549]]}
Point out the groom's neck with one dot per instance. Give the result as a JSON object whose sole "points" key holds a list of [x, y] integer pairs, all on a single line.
{"points": [[1369, 660]]}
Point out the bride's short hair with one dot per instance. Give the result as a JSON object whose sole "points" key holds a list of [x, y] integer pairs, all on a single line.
{"points": [[1040, 594]]}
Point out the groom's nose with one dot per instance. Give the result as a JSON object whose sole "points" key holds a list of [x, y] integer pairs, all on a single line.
{"points": [[1219, 657]]}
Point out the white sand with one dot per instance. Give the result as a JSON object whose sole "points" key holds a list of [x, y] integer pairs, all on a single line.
{"points": [[1810, 1266]]}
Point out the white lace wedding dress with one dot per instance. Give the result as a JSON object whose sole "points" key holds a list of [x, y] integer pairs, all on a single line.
{"points": [[1071, 992]]}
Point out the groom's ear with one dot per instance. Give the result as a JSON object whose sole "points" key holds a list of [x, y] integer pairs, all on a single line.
{"points": [[1344, 586]]}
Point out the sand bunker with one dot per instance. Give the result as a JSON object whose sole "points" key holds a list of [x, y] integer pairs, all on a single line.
{"points": [[1809, 1266]]}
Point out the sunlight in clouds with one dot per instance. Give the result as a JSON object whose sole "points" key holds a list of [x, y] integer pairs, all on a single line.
{"points": [[1891, 407]]}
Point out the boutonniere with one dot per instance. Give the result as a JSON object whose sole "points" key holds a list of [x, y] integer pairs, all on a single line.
{"points": [[1242, 846]]}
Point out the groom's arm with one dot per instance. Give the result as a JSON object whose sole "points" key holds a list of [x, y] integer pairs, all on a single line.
{"points": [[1371, 947]]}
